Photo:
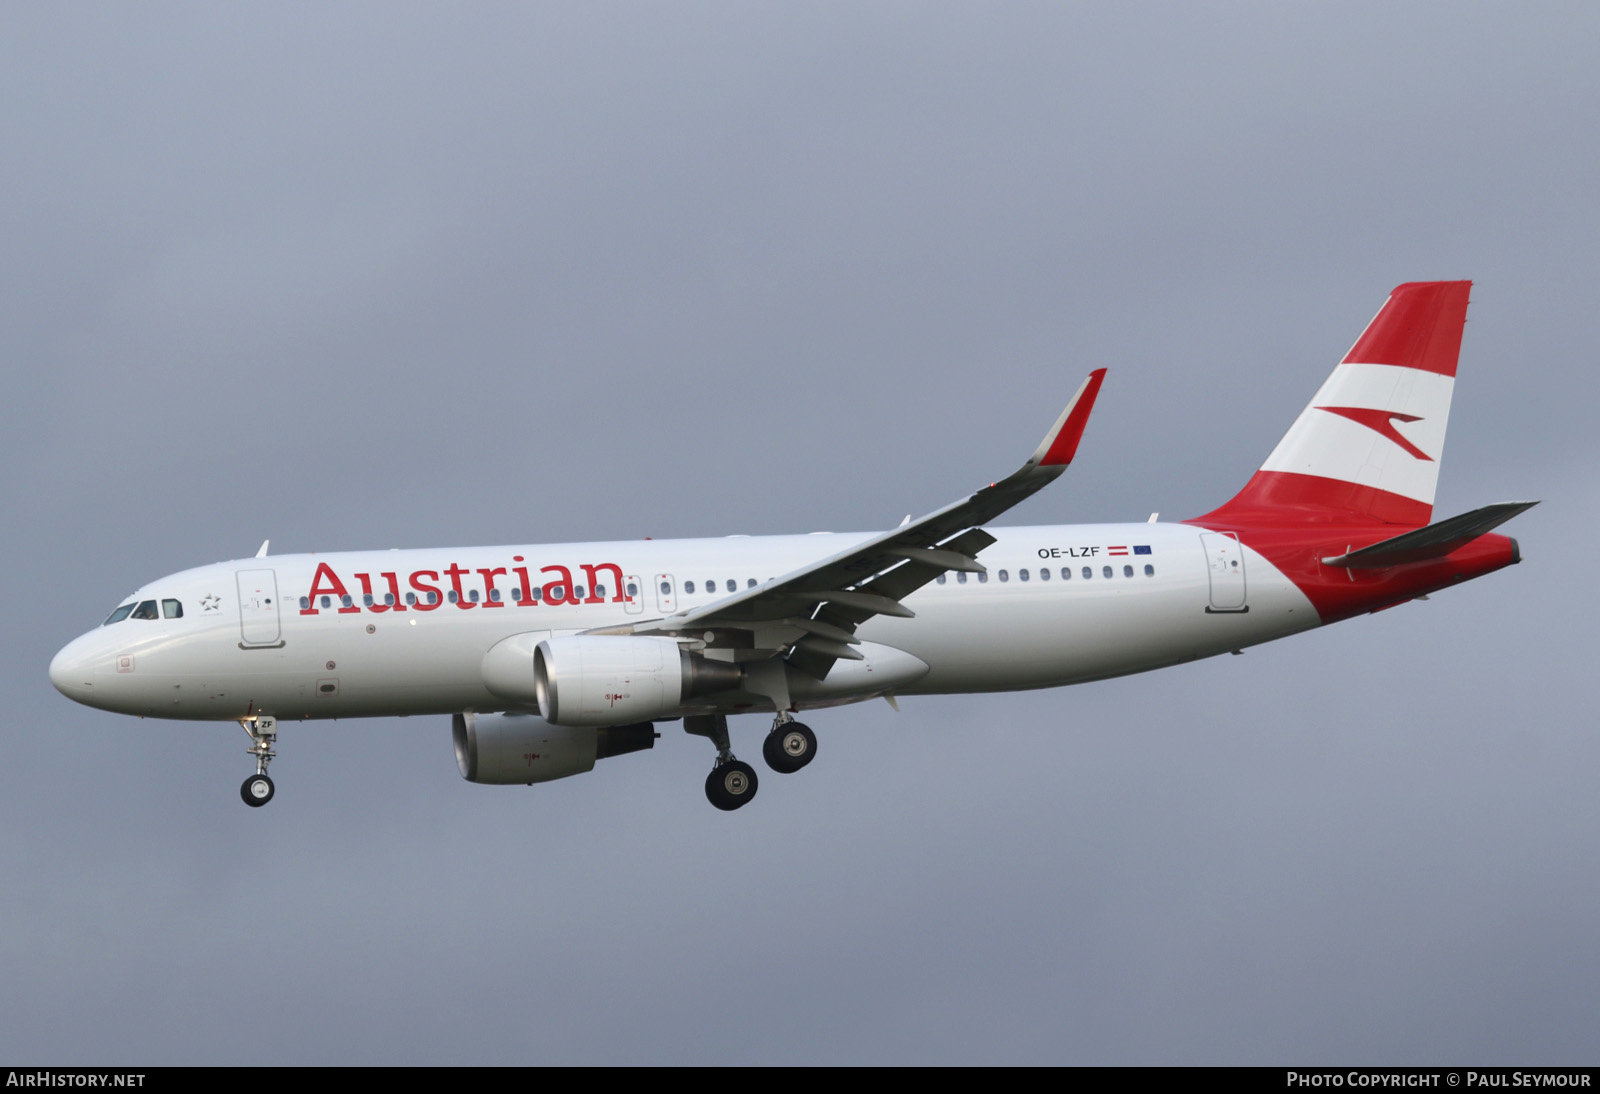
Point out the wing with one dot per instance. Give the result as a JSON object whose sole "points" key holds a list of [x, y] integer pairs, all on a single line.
{"points": [[812, 613]]}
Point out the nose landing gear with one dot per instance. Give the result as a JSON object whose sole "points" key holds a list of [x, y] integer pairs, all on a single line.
{"points": [[257, 790], [263, 729]]}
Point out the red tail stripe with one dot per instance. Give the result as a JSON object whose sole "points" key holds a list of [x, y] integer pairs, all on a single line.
{"points": [[1283, 497], [1418, 327]]}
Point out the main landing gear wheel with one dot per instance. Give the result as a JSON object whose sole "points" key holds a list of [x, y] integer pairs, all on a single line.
{"points": [[731, 784], [789, 747], [257, 790]]}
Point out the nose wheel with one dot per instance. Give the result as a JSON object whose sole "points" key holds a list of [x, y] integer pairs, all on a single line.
{"points": [[257, 790]]}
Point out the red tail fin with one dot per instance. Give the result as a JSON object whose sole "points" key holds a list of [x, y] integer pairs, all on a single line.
{"points": [[1367, 448]]}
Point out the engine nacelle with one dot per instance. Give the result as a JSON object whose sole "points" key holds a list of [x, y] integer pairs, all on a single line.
{"points": [[599, 680], [503, 749]]}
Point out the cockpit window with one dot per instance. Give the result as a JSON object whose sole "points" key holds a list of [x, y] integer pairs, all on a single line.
{"points": [[119, 615], [172, 609], [146, 610]]}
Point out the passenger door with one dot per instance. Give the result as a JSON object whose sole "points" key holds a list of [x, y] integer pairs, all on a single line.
{"points": [[258, 608]]}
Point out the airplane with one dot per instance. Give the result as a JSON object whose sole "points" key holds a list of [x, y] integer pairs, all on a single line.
{"points": [[549, 658]]}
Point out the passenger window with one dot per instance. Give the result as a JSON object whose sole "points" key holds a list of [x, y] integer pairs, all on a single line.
{"points": [[1087, 573], [494, 595], [536, 594], [305, 603], [750, 583], [327, 602], [453, 596], [1004, 576], [1022, 575], [1127, 571], [119, 615], [388, 598], [1044, 573], [367, 599], [578, 593], [472, 595], [1105, 571], [983, 579], [733, 586], [1149, 570], [346, 601], [433, 596], [940, 579], [172, 609], [666, 588], [411, 598], [1066, 573], [600, 591], [688, 587], [633, 590], [145, 610], [961, 577]]}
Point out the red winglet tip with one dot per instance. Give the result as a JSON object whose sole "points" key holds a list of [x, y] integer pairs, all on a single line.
{"points": [[1065, 445]]}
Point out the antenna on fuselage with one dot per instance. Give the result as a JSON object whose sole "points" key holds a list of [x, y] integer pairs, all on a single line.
{"points": [[263, 552]]}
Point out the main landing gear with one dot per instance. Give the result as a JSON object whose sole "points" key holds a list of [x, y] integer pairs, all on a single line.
{"points": [[790, 745], [732, 782], [263, 729]]}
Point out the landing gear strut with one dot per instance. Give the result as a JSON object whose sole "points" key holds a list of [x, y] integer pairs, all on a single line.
{"points": [[732, 782], [263, 729], [790, 745]]}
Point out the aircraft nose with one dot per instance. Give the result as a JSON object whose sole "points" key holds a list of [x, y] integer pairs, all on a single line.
{"points": [[71, 670]]}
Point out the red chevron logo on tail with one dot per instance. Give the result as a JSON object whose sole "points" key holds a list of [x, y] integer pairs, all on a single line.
{"points": [[1382, 423]]}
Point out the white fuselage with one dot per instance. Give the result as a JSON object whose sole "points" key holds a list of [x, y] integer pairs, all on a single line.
{"points": [[268, 636]]}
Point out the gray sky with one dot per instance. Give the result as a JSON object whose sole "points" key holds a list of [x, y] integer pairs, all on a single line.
{"points": [[371, 276]]}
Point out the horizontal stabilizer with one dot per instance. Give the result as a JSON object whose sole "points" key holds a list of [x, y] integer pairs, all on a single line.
{"points": [[1434, 541]]}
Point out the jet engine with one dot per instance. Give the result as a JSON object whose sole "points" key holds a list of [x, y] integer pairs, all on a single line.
{"points": [[599, 680], [502, 749]]}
